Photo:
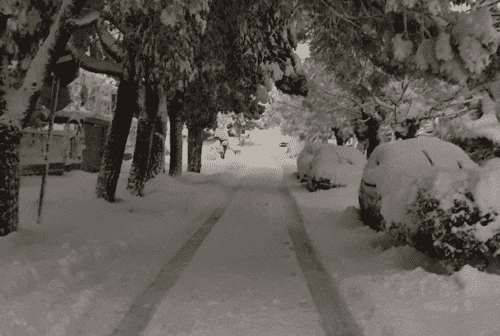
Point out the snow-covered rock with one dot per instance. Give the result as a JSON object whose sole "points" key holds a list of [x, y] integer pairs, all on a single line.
{"points": [[335, 166]]}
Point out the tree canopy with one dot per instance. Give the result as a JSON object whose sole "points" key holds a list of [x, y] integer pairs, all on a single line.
{"points": [[424, 38]]}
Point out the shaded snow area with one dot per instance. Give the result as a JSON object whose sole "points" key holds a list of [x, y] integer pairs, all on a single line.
{"points": [[90, 255], [392, 290]]}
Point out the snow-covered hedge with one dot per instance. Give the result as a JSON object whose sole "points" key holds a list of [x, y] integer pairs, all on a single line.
{"points": [[304, 159], [449, 214], [335, 166]]}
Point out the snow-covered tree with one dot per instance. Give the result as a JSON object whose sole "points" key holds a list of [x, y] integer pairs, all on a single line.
{"points": [[33, 36]]}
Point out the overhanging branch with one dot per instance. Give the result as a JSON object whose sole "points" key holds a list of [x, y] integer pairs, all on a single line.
{"points": [[83, 21], [94, 65]]}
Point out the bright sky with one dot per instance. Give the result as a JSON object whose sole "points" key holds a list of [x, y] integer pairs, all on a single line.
{"points": [[302, 51]]}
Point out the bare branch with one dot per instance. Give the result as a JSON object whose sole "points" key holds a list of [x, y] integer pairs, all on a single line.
{"points": [[381, 103]]}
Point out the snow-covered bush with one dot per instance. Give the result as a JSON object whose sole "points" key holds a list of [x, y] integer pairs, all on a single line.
{"points": [[335, 166], [304, 159], [399, 163], [449, 214], [479, 147]]}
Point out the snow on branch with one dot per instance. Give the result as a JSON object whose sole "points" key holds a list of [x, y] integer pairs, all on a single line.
{"points": [[84, 20]]}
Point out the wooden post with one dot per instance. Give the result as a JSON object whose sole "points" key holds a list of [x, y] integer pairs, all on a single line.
{"points": [[55, 90]]}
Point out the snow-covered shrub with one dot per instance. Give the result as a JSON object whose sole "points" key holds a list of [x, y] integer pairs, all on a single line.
{"points": [[449, 214], [399, 163], [479, 147], [335, 166], [304, 159]]}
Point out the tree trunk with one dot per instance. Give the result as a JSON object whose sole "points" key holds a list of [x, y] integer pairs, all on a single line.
{"points": [[157, 159], [142, 152], [176, 126], [195, 146], [372, 136], [112, 159], [10, 140]]}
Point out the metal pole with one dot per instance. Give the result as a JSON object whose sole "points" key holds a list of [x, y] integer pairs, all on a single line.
{"points": [[55, 94]]}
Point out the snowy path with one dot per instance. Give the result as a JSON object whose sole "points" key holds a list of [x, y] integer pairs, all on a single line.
{"points": [[243, 280]]}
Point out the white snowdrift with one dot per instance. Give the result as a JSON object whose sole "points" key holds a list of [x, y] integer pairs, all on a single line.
{"points": [[393, 291]]}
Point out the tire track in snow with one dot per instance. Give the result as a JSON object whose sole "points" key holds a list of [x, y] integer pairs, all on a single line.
{"points": [[336, 319], [144, 306]]}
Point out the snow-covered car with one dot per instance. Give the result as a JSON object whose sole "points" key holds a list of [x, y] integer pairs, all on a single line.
{"points": [[392, 165], [283, 144], [294, 147], [304, 159], [335, 166]]}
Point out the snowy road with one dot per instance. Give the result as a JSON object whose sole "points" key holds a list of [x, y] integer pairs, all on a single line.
{"points": [[243, 280], [201, 254], [95, 268]]}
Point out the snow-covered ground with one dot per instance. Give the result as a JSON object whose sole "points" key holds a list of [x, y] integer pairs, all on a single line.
{"points": [[389, 290], [90, 259], [89, 252]]}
